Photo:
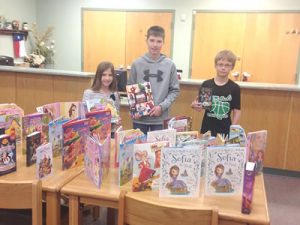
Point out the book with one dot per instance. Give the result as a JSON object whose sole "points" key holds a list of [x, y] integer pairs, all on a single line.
{"points": [[146, 165], [205, 97], [126, 159], [179, 123], [103, 104], [186, 136], [140, 98], [74, 136], [237, 136], [180, 172], [99, 123], [44, 161], [35, 122], [224, 170], [8, 159], [256, 148], [249, 179], [53, 109], [11, 123], [33, 141], [92, 160], [121, 136], [162, 135], [56, 135]]}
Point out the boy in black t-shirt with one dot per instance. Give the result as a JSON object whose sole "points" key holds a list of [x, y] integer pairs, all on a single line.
{"points": [[226, 97]]}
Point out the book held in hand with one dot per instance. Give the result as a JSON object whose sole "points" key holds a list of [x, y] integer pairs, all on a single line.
{"points": [[140, 99], [8, 159], [205, 97]]}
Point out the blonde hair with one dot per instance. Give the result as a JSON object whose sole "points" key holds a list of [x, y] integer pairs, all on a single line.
{"points": [[227, 55]]}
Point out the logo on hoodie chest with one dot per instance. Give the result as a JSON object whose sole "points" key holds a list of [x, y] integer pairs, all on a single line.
{"points": [[158, 75]]}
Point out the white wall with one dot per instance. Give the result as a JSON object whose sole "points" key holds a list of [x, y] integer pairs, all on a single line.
{"points": [[23, 11], [65, 16]]}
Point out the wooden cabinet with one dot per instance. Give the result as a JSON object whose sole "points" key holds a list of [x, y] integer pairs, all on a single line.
{"points": [[119, 36], [267, 44]]}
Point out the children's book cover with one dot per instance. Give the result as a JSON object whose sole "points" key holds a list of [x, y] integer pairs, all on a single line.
{"points": [[93, 160], [237, 136], [33, 141], [8, 159], [162, 135], [249, 179], [53, 109], [104, 104], [44, 161], [74, 136], [201, 145], [224, 170], [186, 136], [179, 123], [146, 165], [56, 135], [256, 145], [180, 172], [126, 159], [205, 97], [100, 125], [72, 110], [35, 122], [12, 126], [140, 98]]}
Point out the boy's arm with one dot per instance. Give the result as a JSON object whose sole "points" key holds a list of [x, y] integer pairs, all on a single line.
{"points": [[133, 75], [236, 114], [174, 90]]}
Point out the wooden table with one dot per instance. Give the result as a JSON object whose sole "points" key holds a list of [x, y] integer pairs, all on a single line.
{"points": [[82, 190], [51, 185]]}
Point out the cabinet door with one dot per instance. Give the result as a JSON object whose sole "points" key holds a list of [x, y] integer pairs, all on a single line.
{"points": [[271, 49], [103, 38], [137, 24], [214, 32]]}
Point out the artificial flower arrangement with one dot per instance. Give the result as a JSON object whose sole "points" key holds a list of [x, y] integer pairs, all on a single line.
{"points": [[42, 47]]}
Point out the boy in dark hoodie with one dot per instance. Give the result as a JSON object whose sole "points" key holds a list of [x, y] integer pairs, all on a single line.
{"points": [[160, 71]]}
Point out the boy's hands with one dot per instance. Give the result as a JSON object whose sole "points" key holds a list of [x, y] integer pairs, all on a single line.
{"points": [[196, 105], [156, 111]]}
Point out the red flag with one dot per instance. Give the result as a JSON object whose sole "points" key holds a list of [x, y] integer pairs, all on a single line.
{"points": [[19, 45]]}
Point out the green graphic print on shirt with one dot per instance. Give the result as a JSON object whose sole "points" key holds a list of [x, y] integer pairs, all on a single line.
{"points": [[220, 107]]}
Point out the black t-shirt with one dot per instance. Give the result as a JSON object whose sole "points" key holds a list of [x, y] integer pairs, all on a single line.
{"points": [[224, 99]]}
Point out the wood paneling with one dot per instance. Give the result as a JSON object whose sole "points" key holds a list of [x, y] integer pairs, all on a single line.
{"points": [[33, 90], [103, 38], [8, 87], [137, 24], [264, 42], [293, 141]]}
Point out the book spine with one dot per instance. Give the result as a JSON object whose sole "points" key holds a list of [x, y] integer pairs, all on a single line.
{"points": [[249, 179]]}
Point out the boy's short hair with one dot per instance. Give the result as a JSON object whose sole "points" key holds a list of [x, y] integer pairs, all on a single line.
{"points": [[226, 54], [156, 31]]}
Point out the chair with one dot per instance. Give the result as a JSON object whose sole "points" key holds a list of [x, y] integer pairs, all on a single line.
{"points": [[22, 195], [134, 211]]}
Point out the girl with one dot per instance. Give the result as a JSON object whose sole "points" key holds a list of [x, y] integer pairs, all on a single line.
{"points": [[104, 87]]}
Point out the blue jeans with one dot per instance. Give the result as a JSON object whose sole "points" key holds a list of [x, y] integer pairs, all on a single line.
{"points": [[145, 127]]}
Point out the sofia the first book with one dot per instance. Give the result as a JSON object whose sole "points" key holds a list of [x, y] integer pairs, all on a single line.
{"points": [[162, 135], [180, 172], [140, 98], [146, 165], [224, 170]]}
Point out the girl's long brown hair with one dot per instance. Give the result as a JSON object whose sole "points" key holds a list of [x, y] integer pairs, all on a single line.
{"points": [[96, 86]]}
